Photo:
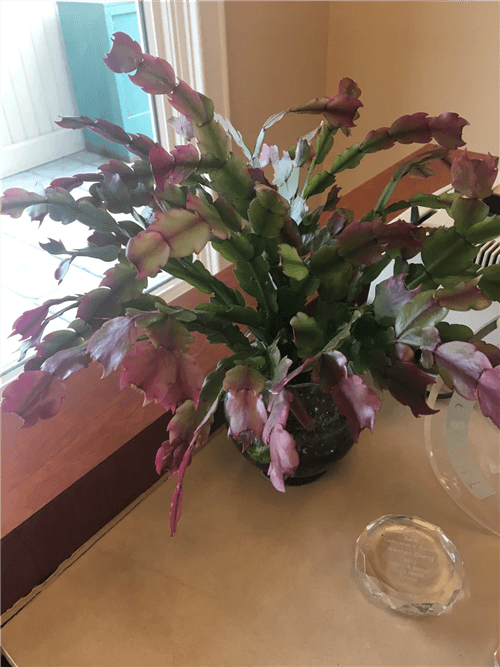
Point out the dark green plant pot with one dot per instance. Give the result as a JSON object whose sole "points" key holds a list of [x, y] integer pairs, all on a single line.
{"points": [[319, 449]]}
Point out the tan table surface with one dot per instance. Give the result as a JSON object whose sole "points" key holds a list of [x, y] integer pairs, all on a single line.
{"points": [[255, 577]]}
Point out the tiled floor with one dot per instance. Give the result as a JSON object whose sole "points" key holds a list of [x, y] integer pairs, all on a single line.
{"points": [[27, 271]]}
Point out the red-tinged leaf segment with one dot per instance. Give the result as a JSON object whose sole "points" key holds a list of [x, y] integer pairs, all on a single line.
{"points": [[447, 129], [460, 365], [283, 451], [65, 362], [16, 200], [174, 167], [474, 178], [148, 252], [466, 296], [31, 322], [170, 334], [125, 55], [245, 407], [357, 402], [181, 429], [390, 296], [34, 395], [111, 344], [352, 397], [408, 384], [416, 320], [488, 394], [201, 426], [154, 75], [168, 377]]}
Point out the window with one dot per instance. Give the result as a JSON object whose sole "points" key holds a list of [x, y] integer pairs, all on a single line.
{"points": [[171, 30]]}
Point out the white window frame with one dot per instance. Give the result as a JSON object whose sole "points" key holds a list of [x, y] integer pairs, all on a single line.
{"points": [[191, 36]]}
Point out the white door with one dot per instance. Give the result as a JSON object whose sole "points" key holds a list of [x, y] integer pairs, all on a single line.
{"points": [[36, 87]]}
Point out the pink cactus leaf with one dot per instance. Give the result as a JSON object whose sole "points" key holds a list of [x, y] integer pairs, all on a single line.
{"points": [[488, 394], [110, 131], [75, 122], [111, 344], [460, 365], [64, 363], [357, 402], [182, 429], [169, 456], [390, 296], [31, 322], [416, 320], [151, 369], [16, 200], [122, 279], [279, 407], [315, 106], [247, 416], [332, 199], [99, 304], [162, 165], [34, 395], [398, 234], [447, 129], [408, 384], [189, 103], [411, 129], [300, 369], [336, 223], [284, 457], [165, 376], [466, 296], [340, 110], [188, 381], [173, 168], [349, 87], [170, 334], [474, 178], [176, 504], [125, 55], [244, 378], [299, 411], [119, 167], [200, 436], [67, 183], [148, 252], [188, 154], [184, 231], [154, 75], [377, 140], [489, 350], [357, 244], [330, 369], [209, 214]]}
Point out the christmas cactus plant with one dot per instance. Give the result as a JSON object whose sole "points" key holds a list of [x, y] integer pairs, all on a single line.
{"points": [[301, 306]]}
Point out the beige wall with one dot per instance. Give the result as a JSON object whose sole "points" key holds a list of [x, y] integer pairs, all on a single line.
{"points": [[405, 56], [276, 59], [417, 56]]}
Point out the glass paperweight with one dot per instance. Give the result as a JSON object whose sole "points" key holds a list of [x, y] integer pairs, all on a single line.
{"points": [[464, 449], [409, 565]]}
